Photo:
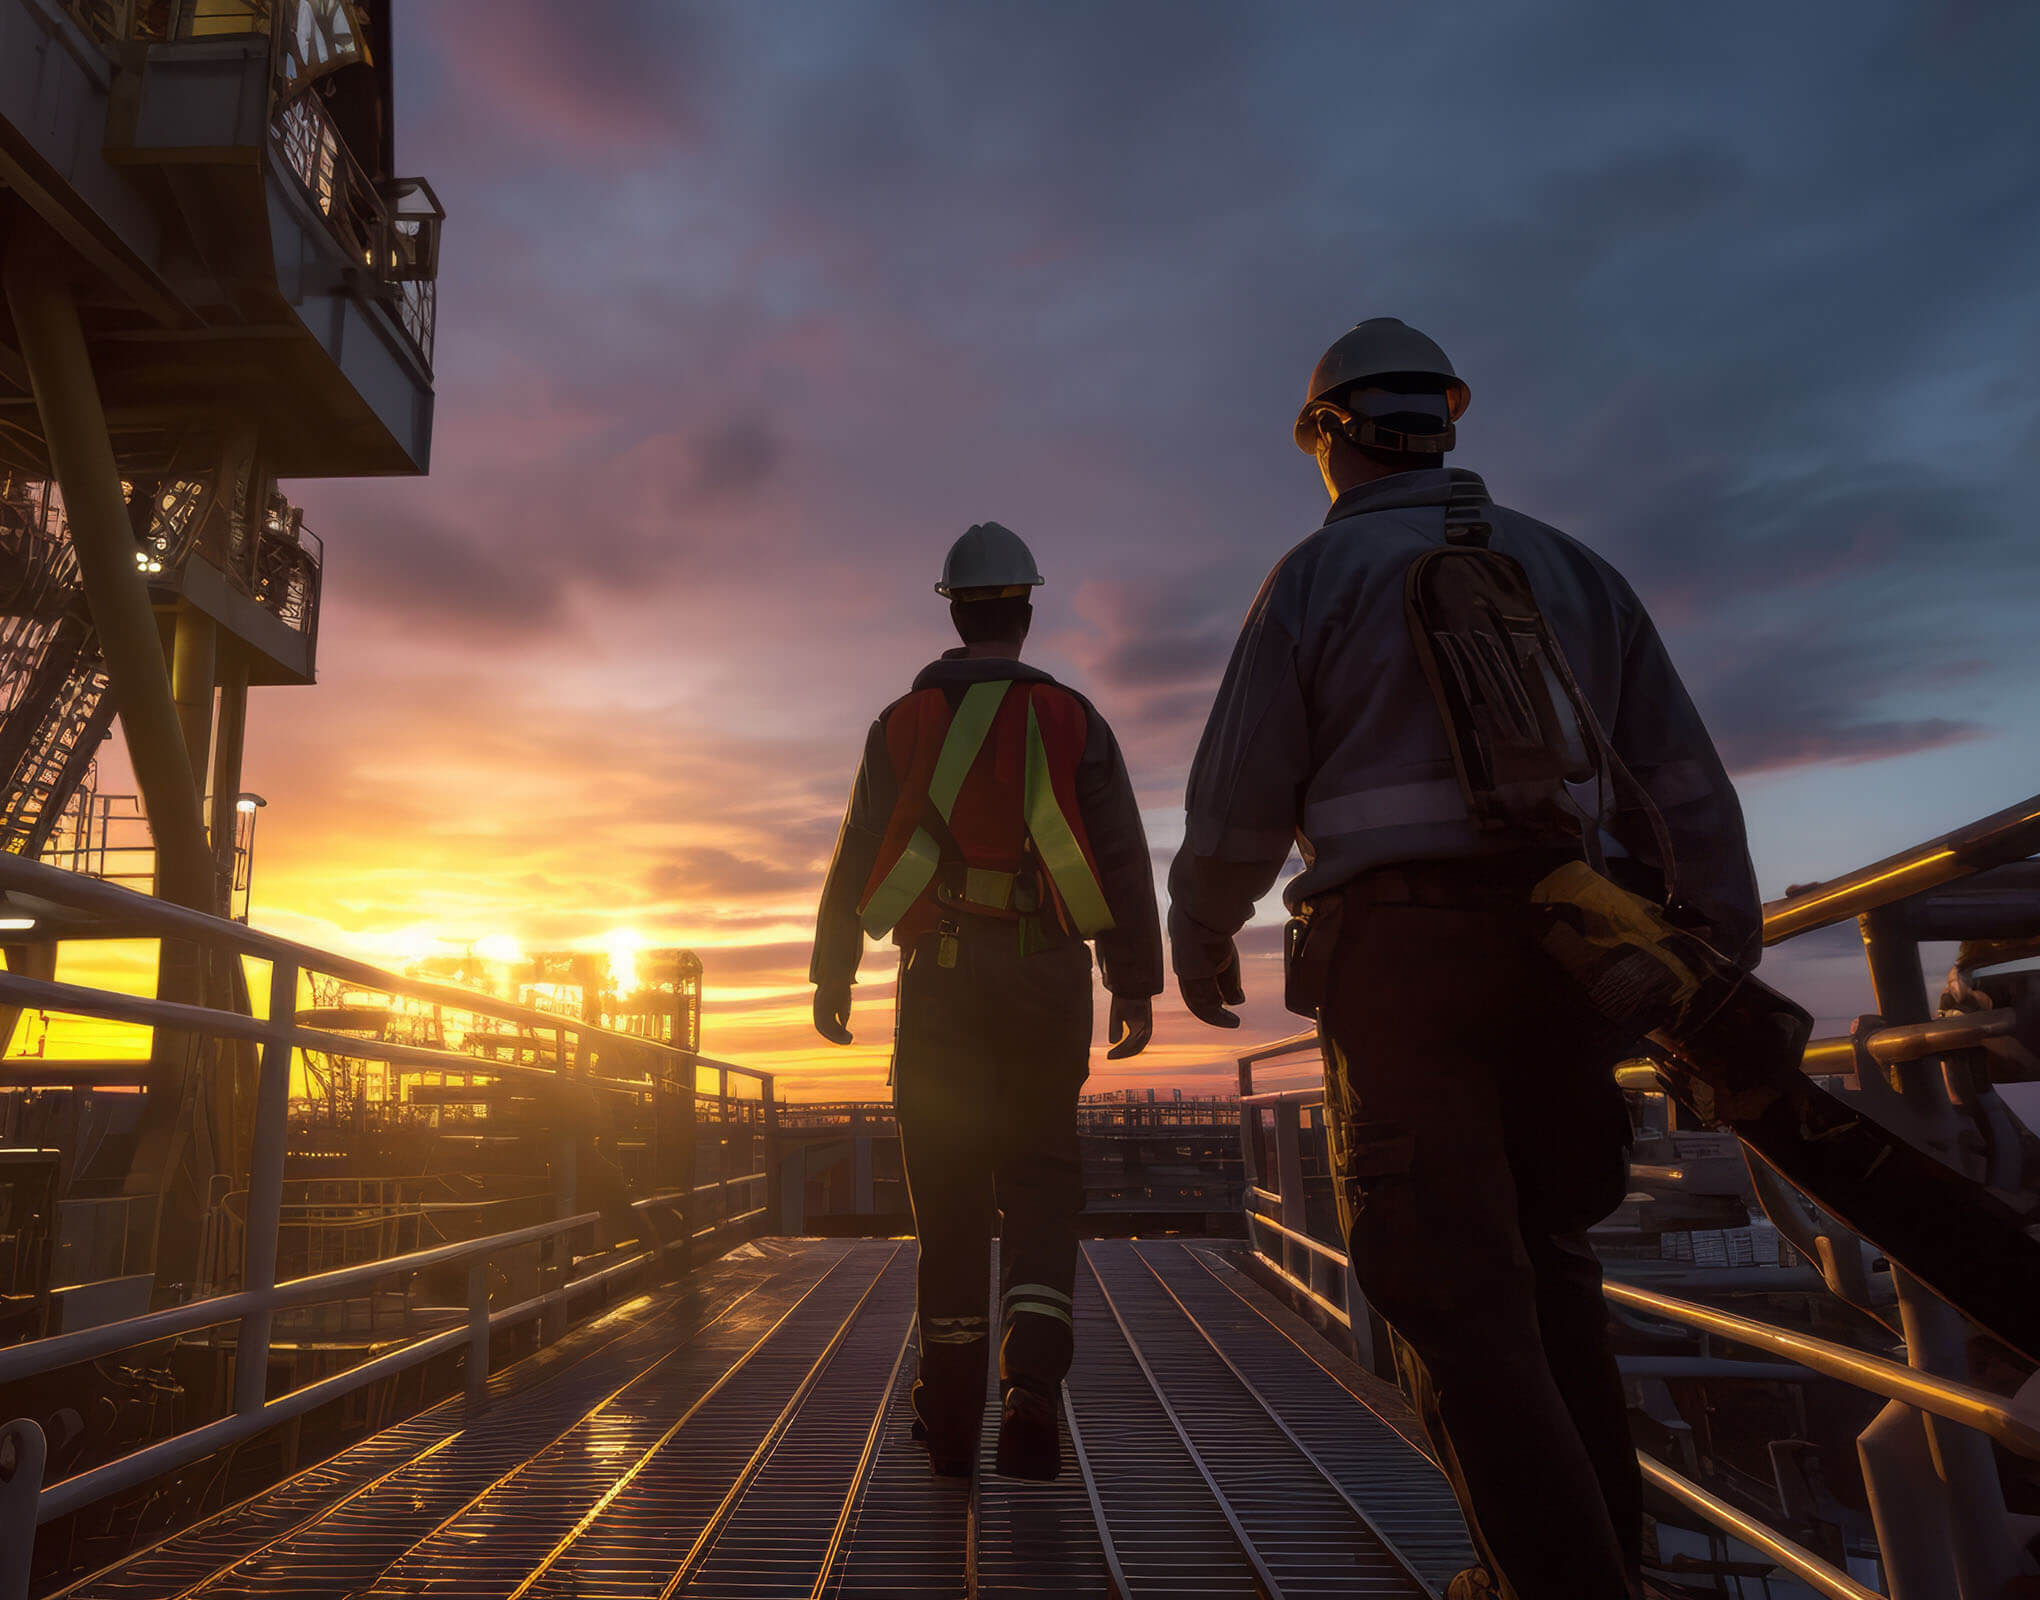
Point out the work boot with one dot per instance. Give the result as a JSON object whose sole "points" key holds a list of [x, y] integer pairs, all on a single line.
{"points": [[945, 1460], [1030, 1445], [1475, 1583]]}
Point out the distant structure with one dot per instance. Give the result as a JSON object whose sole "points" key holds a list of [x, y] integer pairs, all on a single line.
{"points": [[214, 278]]}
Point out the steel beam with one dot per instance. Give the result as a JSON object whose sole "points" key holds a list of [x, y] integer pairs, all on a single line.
{"points": [[194, 667], [45, 309]]}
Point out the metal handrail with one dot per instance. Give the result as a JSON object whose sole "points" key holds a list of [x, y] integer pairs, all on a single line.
{"points": [[38, 1356], [2015, 1427], [262, 1296], [2011, 1421], [2008, 835], [142, 915]]}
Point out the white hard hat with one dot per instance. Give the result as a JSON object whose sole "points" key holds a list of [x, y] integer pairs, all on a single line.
{"points": [[1389, 352], [988, 560]]}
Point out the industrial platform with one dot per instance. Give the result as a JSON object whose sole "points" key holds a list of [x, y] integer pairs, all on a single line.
{"points": [[745, 1433]]}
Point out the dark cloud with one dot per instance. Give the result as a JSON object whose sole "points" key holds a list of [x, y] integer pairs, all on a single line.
{"points": [[705, 872]]}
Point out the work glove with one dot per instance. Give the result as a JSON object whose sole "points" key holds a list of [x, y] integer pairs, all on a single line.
{"points": [[1132, 1025], [1206, 999], [832, 1012]]}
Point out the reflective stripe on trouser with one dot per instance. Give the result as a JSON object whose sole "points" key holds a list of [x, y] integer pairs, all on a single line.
{"points": [[915, 869], [1038, 1299], [992, 1054], [955, 1330]]}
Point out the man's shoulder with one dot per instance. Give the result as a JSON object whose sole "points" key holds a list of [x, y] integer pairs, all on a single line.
{"points": [[1524, 534], [1290, 579], [1057, 693]]}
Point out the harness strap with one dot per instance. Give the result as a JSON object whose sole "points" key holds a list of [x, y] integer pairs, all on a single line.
{"points": [[1071, 874], [915, 869]]}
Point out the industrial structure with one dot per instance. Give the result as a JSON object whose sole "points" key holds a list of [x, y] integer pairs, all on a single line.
{"points": [[214, 280], [483, 1277]]}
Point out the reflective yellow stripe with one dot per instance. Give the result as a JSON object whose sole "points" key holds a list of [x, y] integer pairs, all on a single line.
{"points": [[911, 874], [962, 1336], [1038, 1291], [1060, 852], [1039, 1308]]}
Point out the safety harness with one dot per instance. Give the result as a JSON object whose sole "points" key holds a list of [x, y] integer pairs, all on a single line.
{"points": [[930, 849]]}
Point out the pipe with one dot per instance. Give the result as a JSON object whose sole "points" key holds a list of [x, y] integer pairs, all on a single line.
{"points": [[39, 295]]}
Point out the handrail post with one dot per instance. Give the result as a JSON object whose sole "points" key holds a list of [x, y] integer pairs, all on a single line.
{"points": [[1960, 1474], [723, 1141], [20, 1489], [1954, 1481], [265, 1191], [1250, 1131], [771, 1161], [1289, 1164], [478, 1331]]}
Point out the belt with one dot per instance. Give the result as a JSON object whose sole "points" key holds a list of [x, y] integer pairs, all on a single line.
{"points": [[1471, 881], [987, 892]]}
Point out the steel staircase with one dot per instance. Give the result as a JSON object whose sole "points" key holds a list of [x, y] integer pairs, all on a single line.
{"points": [[54, 706]]}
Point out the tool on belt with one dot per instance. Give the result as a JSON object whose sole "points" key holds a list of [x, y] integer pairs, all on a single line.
{"points": [[1728, 1048]]}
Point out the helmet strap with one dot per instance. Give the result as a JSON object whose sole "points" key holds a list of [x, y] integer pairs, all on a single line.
{"points": [[1371, 435]]}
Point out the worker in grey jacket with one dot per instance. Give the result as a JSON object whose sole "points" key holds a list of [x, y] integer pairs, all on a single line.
{"points": [[1475, 1126]]}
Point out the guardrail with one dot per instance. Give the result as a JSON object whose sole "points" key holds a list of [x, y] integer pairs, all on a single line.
{"points": [[596, 1055], [1936, 1501]]}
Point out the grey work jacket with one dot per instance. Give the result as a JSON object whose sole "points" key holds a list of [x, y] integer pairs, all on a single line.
{"points": [[1325, 733]]}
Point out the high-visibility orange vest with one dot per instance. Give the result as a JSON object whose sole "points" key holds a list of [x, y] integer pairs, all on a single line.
{"points": [[998, 776]]}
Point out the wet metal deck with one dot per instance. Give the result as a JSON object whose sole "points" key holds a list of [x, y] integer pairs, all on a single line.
{"points": [[745, 1433]]}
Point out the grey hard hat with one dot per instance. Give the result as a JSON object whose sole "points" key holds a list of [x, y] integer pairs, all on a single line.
{"points": [[1376, 351], [989, 558]]}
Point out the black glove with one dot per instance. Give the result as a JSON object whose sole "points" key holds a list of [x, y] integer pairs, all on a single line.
{"points": [[1207, 998], [1131, 1026], [832, 1012]]}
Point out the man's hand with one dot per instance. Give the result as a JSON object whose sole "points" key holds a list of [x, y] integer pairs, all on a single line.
{"points": [[1207, 998], [1131, 1026], [832, 1012]]}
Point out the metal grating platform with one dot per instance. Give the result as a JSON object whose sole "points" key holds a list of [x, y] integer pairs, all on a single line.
{"points": [[746, 1433]]}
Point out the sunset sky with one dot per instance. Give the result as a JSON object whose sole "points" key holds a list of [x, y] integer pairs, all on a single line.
{"points": [[748, 310]]}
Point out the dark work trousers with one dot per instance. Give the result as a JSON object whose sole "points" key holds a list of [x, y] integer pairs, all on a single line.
{"points": [[990, 1056], [1477, 1132]]}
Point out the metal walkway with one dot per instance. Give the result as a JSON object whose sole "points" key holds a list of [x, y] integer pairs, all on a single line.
{"points": [[745, 1433]]}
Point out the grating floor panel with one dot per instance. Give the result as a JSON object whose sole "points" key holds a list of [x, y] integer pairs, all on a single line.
{"points": [[1032, 1541], [905, 1537], [747, 1434], [1166, 1524], [1305, 1533], [378, 1495], [1405, 1496]]}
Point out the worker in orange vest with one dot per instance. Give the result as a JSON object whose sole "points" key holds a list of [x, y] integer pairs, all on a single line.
{"points": [[992, 832]]}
